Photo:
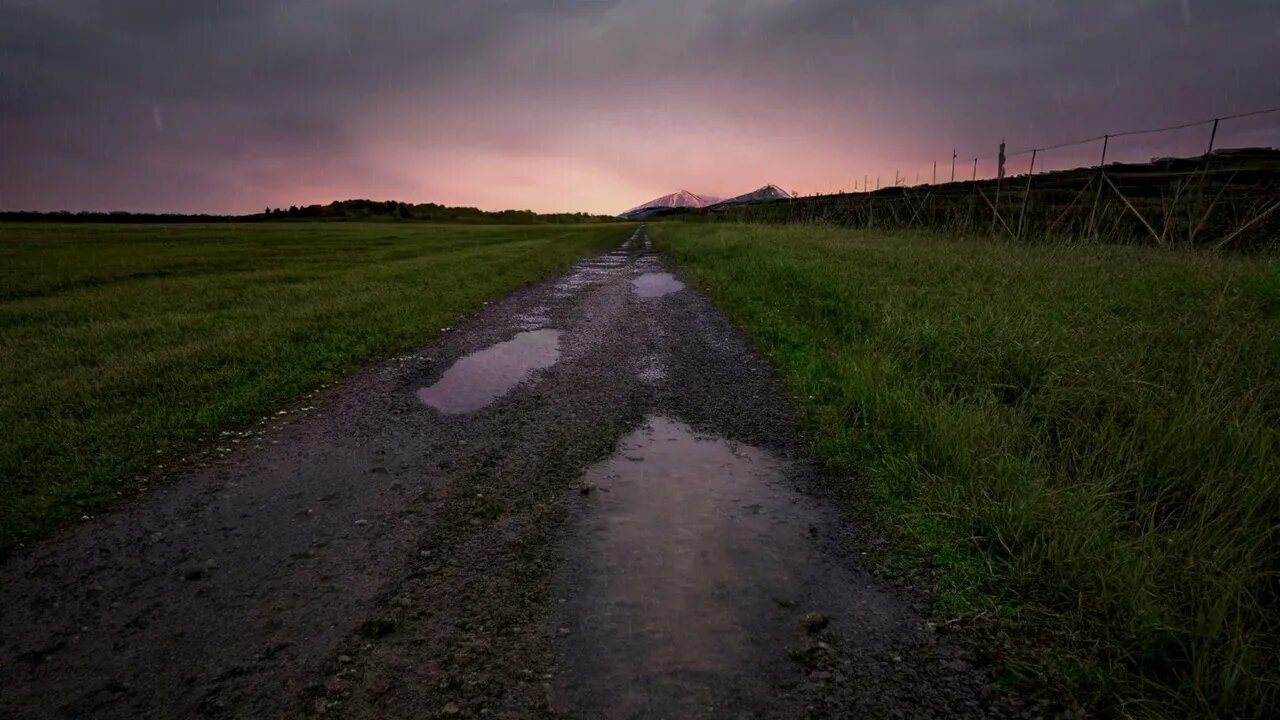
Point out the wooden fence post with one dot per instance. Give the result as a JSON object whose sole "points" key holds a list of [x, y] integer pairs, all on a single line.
{"points": [[995, 206], [1102, 174], [1022, 220], [971, 225], [1204, 177]]}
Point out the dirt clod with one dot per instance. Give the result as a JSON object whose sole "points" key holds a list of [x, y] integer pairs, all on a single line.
{"points": [[814, 621]]}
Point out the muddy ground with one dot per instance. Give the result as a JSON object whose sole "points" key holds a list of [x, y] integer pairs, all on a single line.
{"points": [[630, 532]]}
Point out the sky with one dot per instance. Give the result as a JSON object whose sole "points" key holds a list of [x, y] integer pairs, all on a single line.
{"points": [[230, 106]]}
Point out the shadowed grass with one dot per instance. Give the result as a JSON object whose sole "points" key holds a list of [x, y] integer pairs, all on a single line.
{"points": [[1085, 440], [128, 343]]}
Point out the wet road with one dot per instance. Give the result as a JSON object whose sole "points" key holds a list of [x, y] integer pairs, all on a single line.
{"points": [[587, 501]]}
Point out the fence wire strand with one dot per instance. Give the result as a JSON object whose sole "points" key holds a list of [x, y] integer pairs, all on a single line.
{"points": [[1204, 198], [1131, 133]]}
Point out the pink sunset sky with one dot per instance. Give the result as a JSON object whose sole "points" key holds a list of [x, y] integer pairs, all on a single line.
{"points": [[592, 105]]}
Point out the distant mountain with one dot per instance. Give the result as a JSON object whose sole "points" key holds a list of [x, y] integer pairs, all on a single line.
{"points": [[768, 192], [685, 200], [678, 199]]}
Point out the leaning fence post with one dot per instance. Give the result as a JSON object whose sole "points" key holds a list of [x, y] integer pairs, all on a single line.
{"points": [[1204, 170], [1204, 177], [1022, 219], [995, 206], [1102, 174], [973, 200]]}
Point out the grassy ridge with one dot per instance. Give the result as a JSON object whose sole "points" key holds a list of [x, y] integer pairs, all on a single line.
{"points": [[1085, 440], [124, 343]]}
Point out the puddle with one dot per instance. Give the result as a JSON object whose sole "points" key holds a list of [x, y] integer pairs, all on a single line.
{"points": [[689, 569], [651, 285], [484, 376]]}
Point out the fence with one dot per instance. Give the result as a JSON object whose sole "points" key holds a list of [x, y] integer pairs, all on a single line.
{"points": [[1215, 197]]}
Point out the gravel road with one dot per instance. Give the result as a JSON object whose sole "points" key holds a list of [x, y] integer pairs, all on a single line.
{"points": [[587, 501]]}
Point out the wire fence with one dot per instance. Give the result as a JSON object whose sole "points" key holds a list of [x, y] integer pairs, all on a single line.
{"points": [[1191, 183]]}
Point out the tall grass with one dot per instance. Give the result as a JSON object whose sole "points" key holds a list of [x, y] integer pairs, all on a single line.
{"points": [[1085, 440], [127, 344]]}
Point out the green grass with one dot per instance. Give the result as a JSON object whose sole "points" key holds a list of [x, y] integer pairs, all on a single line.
{"points": [[124, 345], [1084, 441]]}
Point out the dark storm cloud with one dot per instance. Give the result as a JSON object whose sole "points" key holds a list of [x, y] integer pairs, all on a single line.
{"points": [[95, 90], [153, 104], [1038, 69]]}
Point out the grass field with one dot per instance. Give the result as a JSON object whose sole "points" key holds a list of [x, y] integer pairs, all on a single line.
{"points": [[125, 345], [1085, 441]]}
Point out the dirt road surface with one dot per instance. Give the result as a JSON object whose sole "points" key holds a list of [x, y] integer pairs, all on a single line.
{"points": [[587, 501]]}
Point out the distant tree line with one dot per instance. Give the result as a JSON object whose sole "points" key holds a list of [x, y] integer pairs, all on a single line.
{"points": [[64, 216], [335, 211]]}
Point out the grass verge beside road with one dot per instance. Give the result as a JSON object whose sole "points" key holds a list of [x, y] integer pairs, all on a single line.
{"points": [[127, 343], [1084, 440]]}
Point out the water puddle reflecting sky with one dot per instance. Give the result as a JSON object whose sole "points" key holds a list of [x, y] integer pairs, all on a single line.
{"points": [[652, 285], [691, 553], [482, 377]]}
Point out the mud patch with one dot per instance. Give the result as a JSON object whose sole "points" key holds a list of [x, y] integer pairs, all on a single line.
{"points": [[482, 377], [652, 285], [694, 562]]}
